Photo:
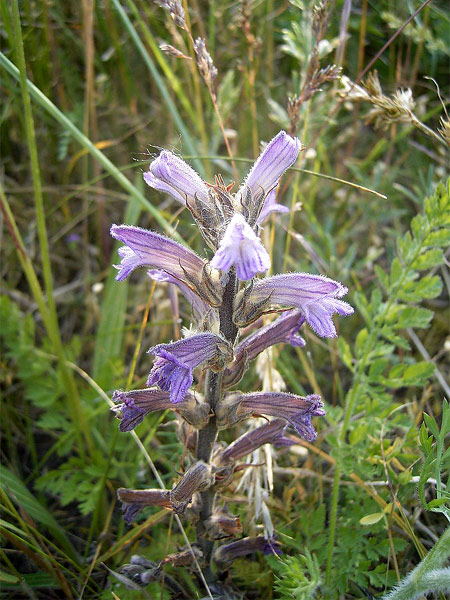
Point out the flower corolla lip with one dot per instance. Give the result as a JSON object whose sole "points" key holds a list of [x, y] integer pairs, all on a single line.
{"points": [[271, 206], [318, 297], [144, 248], [173, 368], [170, 173], [240, 246]]}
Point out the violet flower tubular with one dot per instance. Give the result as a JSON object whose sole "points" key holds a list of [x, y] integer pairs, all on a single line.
{"points": [[318, 298], [226, 554], [131, 407], [173, 368], [241, 247], [283, 330], [279, 154], [270, 433], [133, 501], [296, 410], [171, 174], [144, 248]]}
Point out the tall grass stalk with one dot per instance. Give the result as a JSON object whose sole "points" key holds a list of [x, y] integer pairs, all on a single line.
{"points": [[188, 140], [72, 394]]}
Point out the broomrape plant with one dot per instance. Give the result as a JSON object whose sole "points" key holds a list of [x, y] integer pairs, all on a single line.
{"points": [[226, 296]]}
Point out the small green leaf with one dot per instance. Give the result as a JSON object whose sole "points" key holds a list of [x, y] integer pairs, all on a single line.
{"points": [[429, 287], [441, 237], [419, 373], [428, 259], [361, 342], [371, 519], [431, 424], [436, 503], [414, 316], [345, 353]]}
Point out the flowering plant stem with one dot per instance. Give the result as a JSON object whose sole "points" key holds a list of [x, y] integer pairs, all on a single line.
{"points": [[207, 436]]}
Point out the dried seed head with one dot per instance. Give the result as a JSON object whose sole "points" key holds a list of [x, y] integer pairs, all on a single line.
{"points": [[172, 51], [444, 130], [204, 61], [175, 9], [319, 21]]}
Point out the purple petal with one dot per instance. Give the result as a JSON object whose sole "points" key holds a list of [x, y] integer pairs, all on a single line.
{"points": [[240, 246], [271, 433], [169, 173], [227, 553], [198, 305], [282, 330], [270, 206], [172, 369], [280, 153], [131, 407], [316, 296], [149, 249], [297, 410]]}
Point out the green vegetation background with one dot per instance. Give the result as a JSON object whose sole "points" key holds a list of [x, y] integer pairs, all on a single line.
{"points": [[100, 101]]}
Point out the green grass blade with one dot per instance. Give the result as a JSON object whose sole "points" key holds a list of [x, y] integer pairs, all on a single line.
{"points": [[188, 141], [59, 116], [14, 488]]}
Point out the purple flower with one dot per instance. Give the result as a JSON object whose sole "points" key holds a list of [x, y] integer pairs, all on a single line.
{"points": [[226, 554], [132, 406], [282, 330], [297, 410], [148, 249], [199, 306], [280, 153], [172, 369], [270, 206], [133, 501], [240, 246], [316, 296], [171, 174], [270, 433]]}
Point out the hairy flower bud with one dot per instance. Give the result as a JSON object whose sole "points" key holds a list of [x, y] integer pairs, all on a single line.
{"points": [[226, 554], [133, 501], [197, 478]]}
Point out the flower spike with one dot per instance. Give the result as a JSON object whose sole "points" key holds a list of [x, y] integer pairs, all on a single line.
{"points": [[240, 246]]}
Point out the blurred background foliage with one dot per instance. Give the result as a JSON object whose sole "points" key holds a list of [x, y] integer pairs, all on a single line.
{"points": [[105, 99]]}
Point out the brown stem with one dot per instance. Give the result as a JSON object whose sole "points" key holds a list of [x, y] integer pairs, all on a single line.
{"points": [[208, 435]]}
